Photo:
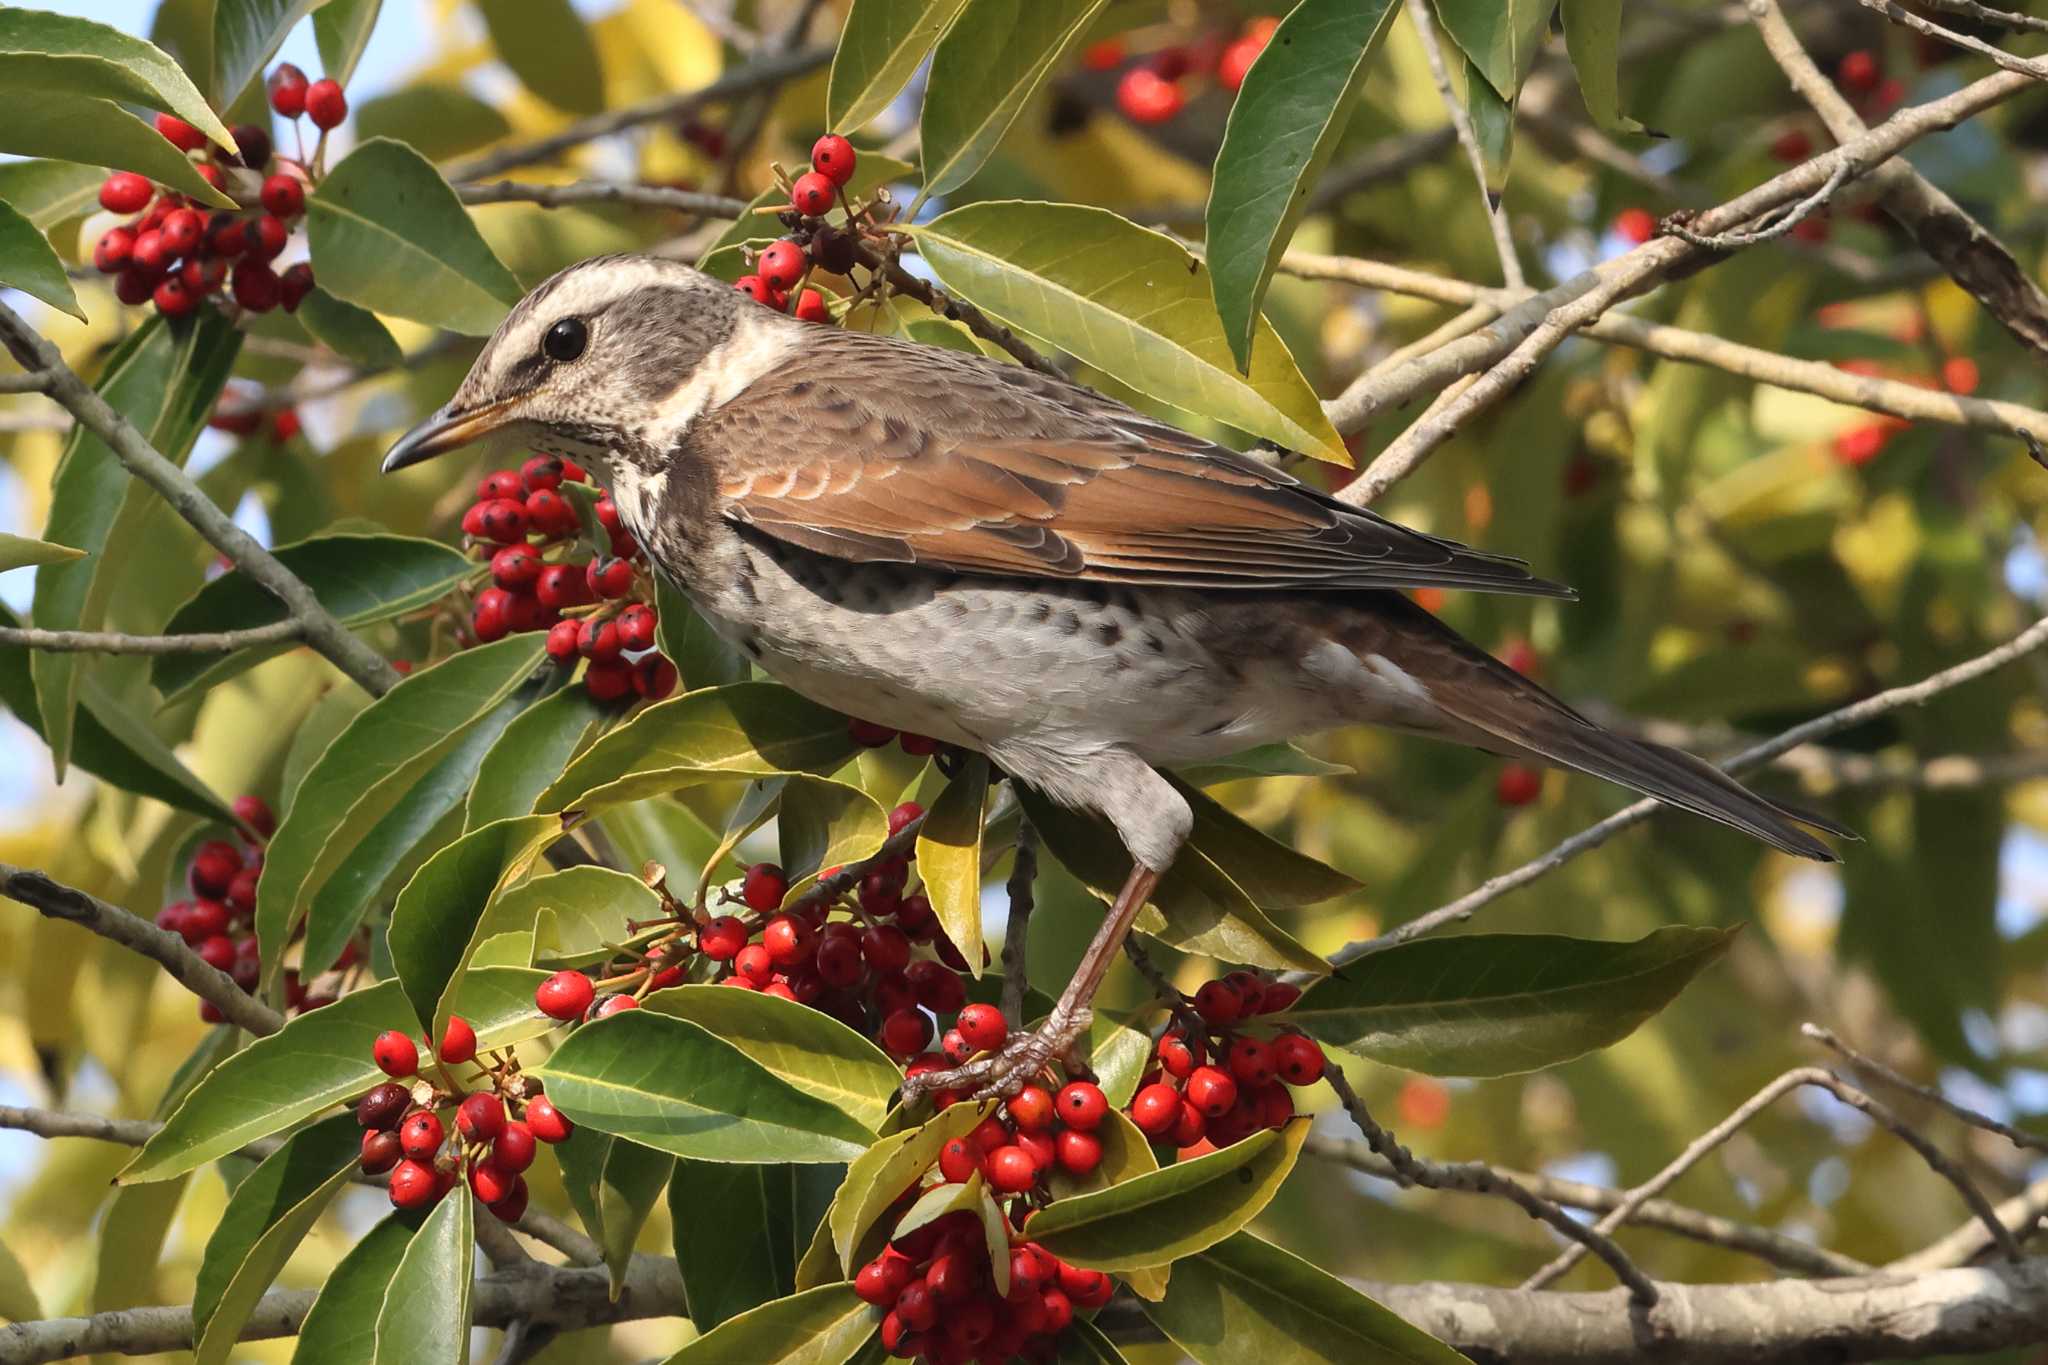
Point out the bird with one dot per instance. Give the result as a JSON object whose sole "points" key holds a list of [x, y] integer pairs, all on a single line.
{"points": [[1007, 561]]}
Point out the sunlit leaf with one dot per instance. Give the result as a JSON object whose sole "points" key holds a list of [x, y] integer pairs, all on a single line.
{"points": [[1592, 34], [547, 45], [879, 49], [341, 1329], [44, 54], [30, 264], [427, 1321], [822, 1326], [949, 858], [341, 30], [246, 35], [980, 81]]}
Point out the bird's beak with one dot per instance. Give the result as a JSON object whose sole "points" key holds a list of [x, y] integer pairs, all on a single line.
{"points": [[445, 431]]}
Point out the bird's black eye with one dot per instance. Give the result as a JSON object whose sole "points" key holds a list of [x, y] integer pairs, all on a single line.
{"points": [[565, 340]]}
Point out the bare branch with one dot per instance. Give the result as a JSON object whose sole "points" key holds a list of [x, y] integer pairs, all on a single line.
{"points": [[603, 192], [59, 1123], [1985, 14], [1775, 226], [2018, 1137], [1461, 123], [109, 642], [1899, 14], [2022, 1214], [1016, 928]]}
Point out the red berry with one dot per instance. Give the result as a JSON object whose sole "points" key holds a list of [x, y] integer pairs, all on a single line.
{"points": [[1145, 96], [561, 645], [395, 1054], [490, 1184], [1861, 444], [325, 104], [149, 253], [982, 1027], [252, 144], [838, 961], [287, 85], [550, 513], [458, 1041], [722, 938], [112, 252], [516, 566], [480, 1118], [607, 680], [1298, 1060], [297, 282], [938, 988], [1279, 996], [421, 1135], [813, 194], [1212, 1091], [256, 287], [204, 919], [283, 196], [1031, 1109], [754, 963], [217, 952], [548, 1123], [764, 887], [1189, 1126], [810, 307], [503, 520], [958, 1161], [1814, 229], [255, 812], [125, 192], [1219, 1002], [560, 586], [565, 995], [1250, 1061], [214, 865], [906, 1032], [382, 1106], [610, 577], [756, 288], [500, 483], [832, 156], [413, 1185], [886, 948], [1177, 1057], [1859, 71], [901, 817], [1011, 1170], [869, 735], [787, 939], [955, 1046], [512, 1207], [1791, 145], [1077, 1152], [179, 133], [875, 1285], [380, 1152], [542, 471], [655, 678], [491, 617], [1636, 225], [781, 265], [1082, 1105], [173, 299], [1959, 374], [1517, 785], [1155, 1108], [636, 627]]}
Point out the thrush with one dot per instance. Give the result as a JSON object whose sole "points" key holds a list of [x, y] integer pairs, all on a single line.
{"points": [[1013, 563]]}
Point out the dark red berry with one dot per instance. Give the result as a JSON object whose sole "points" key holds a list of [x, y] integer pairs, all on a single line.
{"points": [[901, 817], [256, 287], [380, 1152], [764, 887], [112, 252], [287, 85], [1518, 785], [125, 192], [255, 812], [513, 1149], [421, 1135], [395, 1054], [173, 299], [886, 948], [296, 282], [655, 677], [253, 145], [480, 1117], [382, 1106], [264, 238], [283, 196], [867, 734], [325, 104], [1218, 1002], [608, 680], [813, 194], [565, 995], [832, 156], [906, 1032]]}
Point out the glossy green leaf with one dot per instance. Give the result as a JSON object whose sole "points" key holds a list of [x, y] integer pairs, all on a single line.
{"points": [[18, 1302], [1284, 125], [266, 1216], [1126, 1155], [319, 1059], [1266, 760], [19, 551], [393, 849], [434, 922], [724, 1275], [341, 30], [359, 577], [1272, 873], [44, 54], [341, 1329], [532, 753], [29, 263], [246, 35], [672, 1085], [822, 1326], [1501, 37], [757, 729], [988, 64], [937, 1202], [369, 767], [350, 332], [68, 127], [427, 1321], [1592, 34], [702, 658], [437, 120], [810, 1051], [822, 823], [1084, 1344], [1128, 301], [1496, 1004], [573, 914], [111, 741], [949, 858], [879, 49], [389, 234], [49, 192], [164, 379], [614, 1185], [754, 807], [548, 46], [1493, 128], [1156, 1218], [1246, 1299], [878, 1177]]}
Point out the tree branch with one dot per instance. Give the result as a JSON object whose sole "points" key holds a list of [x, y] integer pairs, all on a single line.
{"points": [[2018, 1137], [603, 192], [109, 642], [1899, 14]]}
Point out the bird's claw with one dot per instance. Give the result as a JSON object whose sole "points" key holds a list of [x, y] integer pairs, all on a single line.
{"points": [[1003, 1073]]}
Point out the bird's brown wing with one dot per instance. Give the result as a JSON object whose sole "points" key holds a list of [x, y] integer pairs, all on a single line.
{"points": [[872, 450]]}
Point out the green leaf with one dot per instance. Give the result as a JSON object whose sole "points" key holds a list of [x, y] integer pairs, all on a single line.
{"points": [[1156, 1218], [164, 379], [1270, 872], [938, 1201], [29, 263], [1496, 1004], [1493, 128], [316, 1060], [949, 858], [882, 1174], [1084, 1344], [1501, 37], [341, 1329], [822, 1326], [700, 655], [808, 1050], [369, 767], [532, 753], [614, 1185], [434, 922], [573, 914], [389, 234], [19, 551], [360, 578], [43, 54], [246, 35], [18, 1302], [439, 121], [427, 1322], [341, 29], [99, 132], [549, 49], [823, 823], [1592, 34], [50, 192], [670, 1084], [1128, 301], [394, 848], [880, 47], [724, 1275], [756, 729], [1265, 760], [988, 64], [265, 1218], [350, 332], [1285, 123], [1246, 1299]]}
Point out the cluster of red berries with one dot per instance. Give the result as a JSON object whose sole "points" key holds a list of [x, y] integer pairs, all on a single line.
{"points": [[175, 254], [592, 605], [1156, 88], [937, 1285], [1035, 1132], [784, 265], [404, 1132], [1860, 75], [1214, 1081], [217, 921], [239, 417]]}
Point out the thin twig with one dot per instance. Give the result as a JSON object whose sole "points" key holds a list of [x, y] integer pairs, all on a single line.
{"points": [[1016, 929], [2018, 1137], [1775, 226], [33, 382], [603, 192], [1461, 123], [1899, 14], [2022, 1214], [1985, 14], [109, 642]]}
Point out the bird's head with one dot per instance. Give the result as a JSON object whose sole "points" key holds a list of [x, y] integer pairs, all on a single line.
{"points": [[606, 362]]}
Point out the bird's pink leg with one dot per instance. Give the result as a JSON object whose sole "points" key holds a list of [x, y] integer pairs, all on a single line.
{"points": [[1009, 1070]]}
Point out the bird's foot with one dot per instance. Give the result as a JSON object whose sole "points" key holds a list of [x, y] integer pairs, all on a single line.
{"points": [[1016, 1064]]}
